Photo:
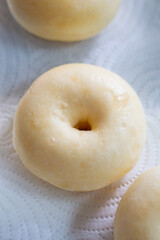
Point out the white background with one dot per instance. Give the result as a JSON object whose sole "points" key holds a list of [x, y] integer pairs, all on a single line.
{"points": [[130, 46]]}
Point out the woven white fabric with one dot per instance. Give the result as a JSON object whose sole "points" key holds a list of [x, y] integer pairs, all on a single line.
{"points": [[130, 46]]}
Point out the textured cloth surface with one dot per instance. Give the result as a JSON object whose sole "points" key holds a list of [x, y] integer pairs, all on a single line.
{"points": [[130, 46]]}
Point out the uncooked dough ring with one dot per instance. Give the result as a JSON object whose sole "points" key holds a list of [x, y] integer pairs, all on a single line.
{"points": [[64, 20], [138, 214], [79, 127]]}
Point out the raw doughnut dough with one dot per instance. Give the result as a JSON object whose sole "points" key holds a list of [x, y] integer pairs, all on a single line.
{"points": [[138, 214], [64, 20], [79, 127]]}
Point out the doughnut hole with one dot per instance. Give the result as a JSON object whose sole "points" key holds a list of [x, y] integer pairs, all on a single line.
{"points": [[83, 125]]}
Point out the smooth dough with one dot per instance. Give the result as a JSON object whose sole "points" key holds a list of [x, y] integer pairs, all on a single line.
{"points": [[138, 214], [64, 20], [79, 127]]}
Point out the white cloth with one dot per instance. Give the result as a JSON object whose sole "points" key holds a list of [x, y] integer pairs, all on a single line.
{"points": [[130, 46]]}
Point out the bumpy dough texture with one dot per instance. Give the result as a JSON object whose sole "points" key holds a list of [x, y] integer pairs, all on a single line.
{"points": [[48, 143], [64, 20], [138, 214]]}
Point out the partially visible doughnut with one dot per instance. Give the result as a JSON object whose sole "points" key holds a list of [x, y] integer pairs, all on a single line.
{"points": [[64, 20], [138, 214], [79, 127]]}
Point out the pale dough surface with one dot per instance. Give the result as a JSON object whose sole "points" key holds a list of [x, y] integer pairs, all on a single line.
{"points": [[31, 208], [138, 214], [50, 146], [64, 20]]}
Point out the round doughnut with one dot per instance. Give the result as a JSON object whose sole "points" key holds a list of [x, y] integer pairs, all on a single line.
{"points": [[138, 214], [79, 127], [64, 20]]}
